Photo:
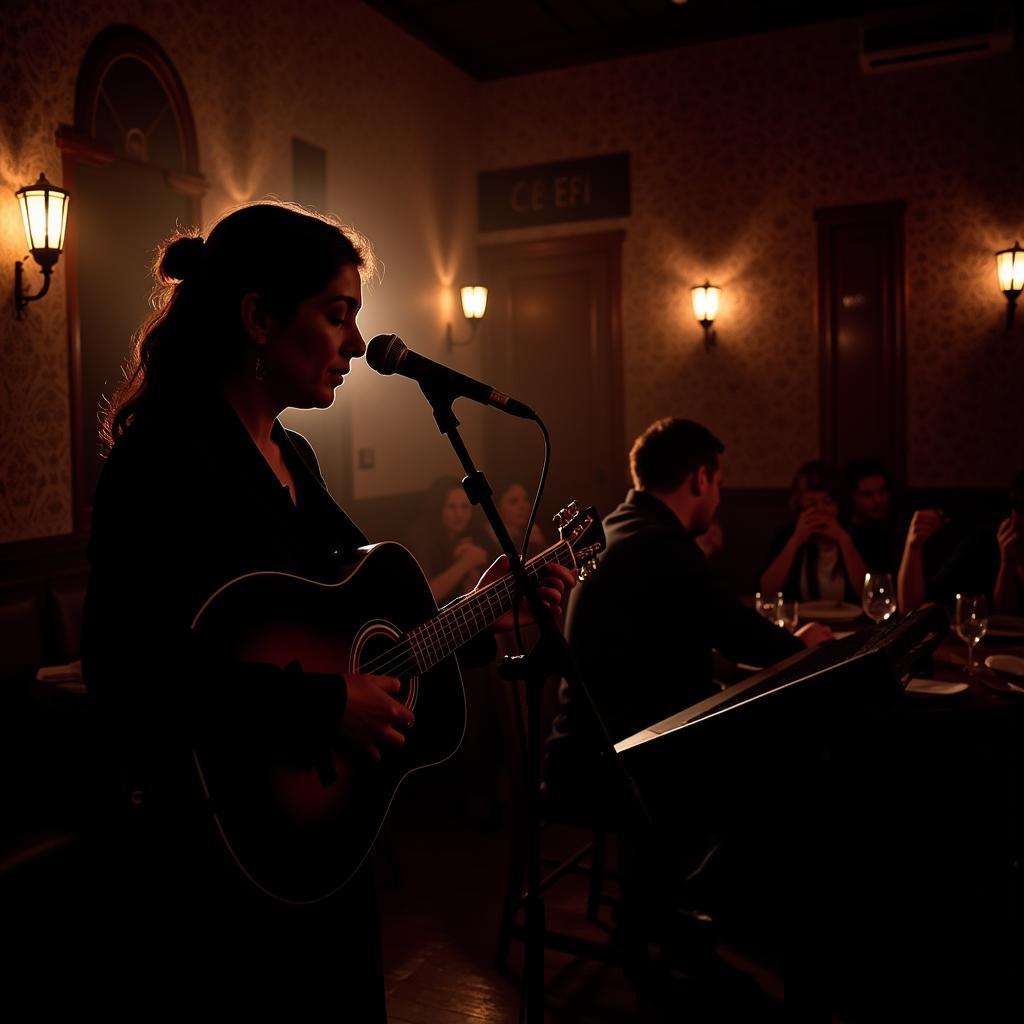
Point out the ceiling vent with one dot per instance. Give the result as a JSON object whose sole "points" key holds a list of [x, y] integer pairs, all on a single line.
{"points": [[936, 36]]}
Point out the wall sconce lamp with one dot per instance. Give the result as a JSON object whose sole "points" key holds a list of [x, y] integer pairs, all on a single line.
{"points": [[705, 309], [44, 211], [474, 305], [1010, 268]]}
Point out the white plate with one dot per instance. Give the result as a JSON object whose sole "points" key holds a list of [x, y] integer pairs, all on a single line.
{"points": [[935, 687], [1008, 663], [828, 611], [1005, 625], [995, 681]]}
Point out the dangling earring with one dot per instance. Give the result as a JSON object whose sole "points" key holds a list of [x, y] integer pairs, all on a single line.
{"points": [[260, 372]]}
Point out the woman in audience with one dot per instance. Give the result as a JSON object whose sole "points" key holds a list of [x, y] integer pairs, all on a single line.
{"points": [[945, 555], [814, 558], [445, 542], [514, 507]]}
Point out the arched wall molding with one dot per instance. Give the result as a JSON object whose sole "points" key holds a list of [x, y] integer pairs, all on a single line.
{"points": [[80, 145]]}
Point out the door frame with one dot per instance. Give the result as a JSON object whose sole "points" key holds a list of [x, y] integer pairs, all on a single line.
{"points": [[610, 244], [890, 216]]}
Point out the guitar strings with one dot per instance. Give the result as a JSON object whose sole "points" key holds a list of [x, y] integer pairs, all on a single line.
{"points": [[402, 657]]}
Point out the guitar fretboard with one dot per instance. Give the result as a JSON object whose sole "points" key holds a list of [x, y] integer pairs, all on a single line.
{"points": [[457, 624]]}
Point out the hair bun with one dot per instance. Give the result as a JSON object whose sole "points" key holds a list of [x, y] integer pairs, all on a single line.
{"points": [[182, 259]]}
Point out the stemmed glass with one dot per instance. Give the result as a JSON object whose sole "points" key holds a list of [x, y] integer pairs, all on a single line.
{"points": [[879, 597], [971, 623], [768, 605], [787, 614]]}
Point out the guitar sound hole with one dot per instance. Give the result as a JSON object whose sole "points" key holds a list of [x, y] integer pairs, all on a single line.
{"points": [[377, 654]]}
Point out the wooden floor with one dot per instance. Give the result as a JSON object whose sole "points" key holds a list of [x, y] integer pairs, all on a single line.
{"points": [[440, 923], [441, 883]]}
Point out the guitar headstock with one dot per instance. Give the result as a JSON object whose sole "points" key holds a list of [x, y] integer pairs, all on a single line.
{"points": [[583, 532]]}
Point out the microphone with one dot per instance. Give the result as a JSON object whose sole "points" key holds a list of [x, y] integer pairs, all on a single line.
{"points": [[388, 354]]}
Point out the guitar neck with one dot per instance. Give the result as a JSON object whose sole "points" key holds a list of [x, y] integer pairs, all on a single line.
{"points": [[458, 623]]}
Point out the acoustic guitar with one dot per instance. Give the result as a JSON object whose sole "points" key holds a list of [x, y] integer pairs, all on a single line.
{"points": [[300, 832]]}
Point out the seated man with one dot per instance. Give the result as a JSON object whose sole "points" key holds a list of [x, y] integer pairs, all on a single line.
{"points": [[642, 629], [869, 488]]}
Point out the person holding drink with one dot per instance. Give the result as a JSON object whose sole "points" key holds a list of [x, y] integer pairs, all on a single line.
{"points": [[814, 558]]}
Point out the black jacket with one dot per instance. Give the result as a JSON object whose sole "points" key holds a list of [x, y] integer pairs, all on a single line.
{"points": [[182, 507], [642, 628]]}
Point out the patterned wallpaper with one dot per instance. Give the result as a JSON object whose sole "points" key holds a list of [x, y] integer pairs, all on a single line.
{"points": [[733, 146], [397, 122]]}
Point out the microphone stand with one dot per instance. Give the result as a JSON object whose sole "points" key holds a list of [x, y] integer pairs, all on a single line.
{"points": [[550, 656]]}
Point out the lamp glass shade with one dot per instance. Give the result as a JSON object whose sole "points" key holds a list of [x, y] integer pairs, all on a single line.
{"points": [[474, 301], [44, 214], [705, 302], [1010, 268]]}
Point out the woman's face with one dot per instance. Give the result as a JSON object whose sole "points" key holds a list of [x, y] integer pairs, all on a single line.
{"points": [[307, 355], [456, 512], [514, 507], [820, 501]]}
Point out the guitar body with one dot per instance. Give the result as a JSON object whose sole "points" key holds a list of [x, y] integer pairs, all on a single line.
{"points": [[300, 831]]}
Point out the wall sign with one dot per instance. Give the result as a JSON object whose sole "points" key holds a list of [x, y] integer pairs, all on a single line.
{"points": [[587, 189]]}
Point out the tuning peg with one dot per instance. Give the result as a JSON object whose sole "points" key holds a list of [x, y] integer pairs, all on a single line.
{"points": [[582, 527]]}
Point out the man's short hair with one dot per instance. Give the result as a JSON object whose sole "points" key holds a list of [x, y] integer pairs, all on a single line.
{"points": [[861, 469], [669, 450]]}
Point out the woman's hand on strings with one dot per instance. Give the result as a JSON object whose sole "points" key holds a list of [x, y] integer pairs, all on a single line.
{"points": [[373, 719]]}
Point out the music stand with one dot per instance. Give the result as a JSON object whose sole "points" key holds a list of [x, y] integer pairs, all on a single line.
{"points": [[793, 713]]}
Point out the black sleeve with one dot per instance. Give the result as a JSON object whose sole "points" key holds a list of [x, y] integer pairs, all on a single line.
{"points": [[741, 634], [151, 550]]}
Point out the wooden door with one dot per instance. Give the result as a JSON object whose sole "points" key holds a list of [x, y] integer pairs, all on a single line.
{"points": [[553, 340], [861, 330]]}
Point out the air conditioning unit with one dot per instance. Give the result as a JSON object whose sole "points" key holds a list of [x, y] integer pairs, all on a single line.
{"points": [[936, 35]]}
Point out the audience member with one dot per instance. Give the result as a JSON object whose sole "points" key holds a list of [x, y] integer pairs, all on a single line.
{"points": [[445, 541], [944, 556], [814, 558], [1008, 595], [514, 506], [869, 489]]}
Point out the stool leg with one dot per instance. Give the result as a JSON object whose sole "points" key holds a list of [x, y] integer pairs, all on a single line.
{"points": [[513, 894], [597, 873]]}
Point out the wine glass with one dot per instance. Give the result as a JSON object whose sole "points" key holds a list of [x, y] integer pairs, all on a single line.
{"points": [[971, 623], [879, 597], [787, 613], [767, 605]]}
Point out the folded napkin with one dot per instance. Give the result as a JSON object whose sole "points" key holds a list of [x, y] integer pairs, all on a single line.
{"points": [[935, 687]]}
